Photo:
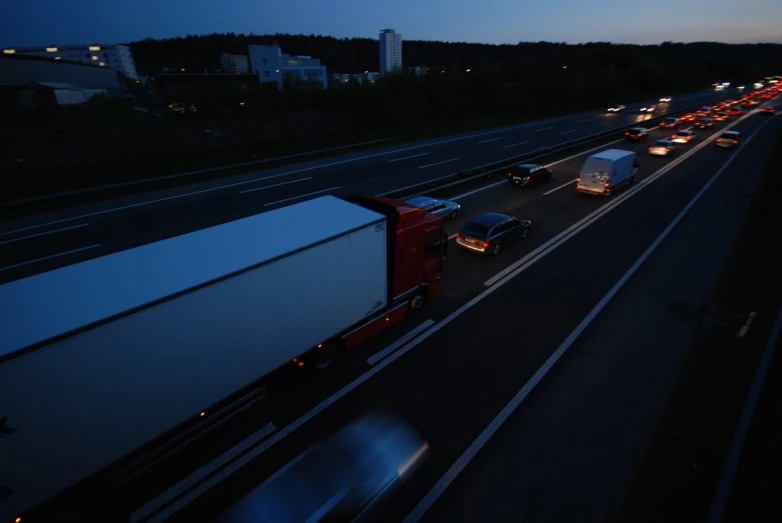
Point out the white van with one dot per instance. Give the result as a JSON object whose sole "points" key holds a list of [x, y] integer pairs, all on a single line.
{"points": [[606, 171]]}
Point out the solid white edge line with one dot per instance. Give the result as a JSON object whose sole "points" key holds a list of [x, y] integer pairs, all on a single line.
{"points": [[274, 185], [514, 145], [407, 157], [543, 129], [399, 342], [186, 483], [302, 196], [459, 465], [492, 140], [30, 236], [570, 131], [437, 163], [51, 256], [722, 495]]}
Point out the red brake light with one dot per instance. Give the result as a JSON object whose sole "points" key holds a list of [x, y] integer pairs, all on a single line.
{"points": [[607, 185], [627, 133], [528, 178], [578, 180], [735, 142], [457, 236], [510, 174], [485, 245]]}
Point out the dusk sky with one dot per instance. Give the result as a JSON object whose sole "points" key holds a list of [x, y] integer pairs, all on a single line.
{"points": [[44, 22]]}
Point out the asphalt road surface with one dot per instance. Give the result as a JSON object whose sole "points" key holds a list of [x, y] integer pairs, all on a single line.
{"points": [[47, 241], [454, 380]]}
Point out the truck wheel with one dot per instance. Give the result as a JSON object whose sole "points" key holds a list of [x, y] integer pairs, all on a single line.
{"points": [[417, 302], [497, 248]]}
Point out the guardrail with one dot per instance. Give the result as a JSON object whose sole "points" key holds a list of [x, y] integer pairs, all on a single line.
{"points": [[487, 170]]}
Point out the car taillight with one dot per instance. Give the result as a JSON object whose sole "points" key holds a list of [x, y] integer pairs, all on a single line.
{"points": [[627, 133], [458, 236], [528, 178], [510, 174], [735, 142], [485, 245], [607, 185], [578, 180]]}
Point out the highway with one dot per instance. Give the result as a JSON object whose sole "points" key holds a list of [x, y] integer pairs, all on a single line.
{"points": [[490, 332], [46, 241]]}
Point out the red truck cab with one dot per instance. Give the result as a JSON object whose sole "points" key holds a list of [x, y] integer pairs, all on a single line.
{"points": [[416, 249]]}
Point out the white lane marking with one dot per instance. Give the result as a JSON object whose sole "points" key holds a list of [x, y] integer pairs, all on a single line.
{"points": [[567, 132], [63, 229], [479, 189], [514, 145], [210, 468], [739, 437], [582, 121], [437, 163], [520, 265], [543, 129], [29, 262], [459, 465], [140, 204], [274, 185], [492, 140], [558, 187], [328, 402], [407, 157], [745, 328], [302, 196], [582, 153], [399, 342]]}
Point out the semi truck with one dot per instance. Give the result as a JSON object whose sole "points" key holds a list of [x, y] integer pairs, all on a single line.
{"points": [[101, 357]]}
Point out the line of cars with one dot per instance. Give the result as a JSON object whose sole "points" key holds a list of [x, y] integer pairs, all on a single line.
{"points": [[602, 173]]}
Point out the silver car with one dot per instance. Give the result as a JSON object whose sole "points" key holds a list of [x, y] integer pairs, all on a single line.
{"points": [[344, 476], [441, 208]]}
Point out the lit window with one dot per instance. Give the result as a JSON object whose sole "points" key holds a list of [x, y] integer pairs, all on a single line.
{"points": [[56, 57], [9, 51], [94, 48], [94, 57], [51, 49], [102, 64]]}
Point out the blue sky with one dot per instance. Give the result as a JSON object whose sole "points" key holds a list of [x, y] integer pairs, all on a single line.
{"points": [[42, 22]]}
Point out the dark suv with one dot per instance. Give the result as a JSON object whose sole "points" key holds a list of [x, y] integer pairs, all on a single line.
{"points": [[528, 174]]}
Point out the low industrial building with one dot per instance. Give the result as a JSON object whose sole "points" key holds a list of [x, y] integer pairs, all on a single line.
{"points": [[110, 56], [273, 66], [18, 70], [235, 63]]}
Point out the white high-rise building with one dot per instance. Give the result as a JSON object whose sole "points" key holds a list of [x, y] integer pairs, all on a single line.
{"points": [[390, 51], [114, 56]]}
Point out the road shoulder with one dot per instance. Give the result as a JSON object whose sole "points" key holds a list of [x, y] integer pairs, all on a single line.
{"points": [[569, 453]]}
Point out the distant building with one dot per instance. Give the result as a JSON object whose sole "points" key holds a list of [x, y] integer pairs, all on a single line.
{"points": [[112, 56], [22, 70], [365, 77], [235, 63], [390, 51], [272, 65]]}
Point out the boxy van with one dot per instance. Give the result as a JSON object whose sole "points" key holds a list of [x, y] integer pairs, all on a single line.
{"points": [[606, 171]]}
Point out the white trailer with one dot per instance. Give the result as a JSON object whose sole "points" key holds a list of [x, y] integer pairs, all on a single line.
{"points": [[100, 357]]}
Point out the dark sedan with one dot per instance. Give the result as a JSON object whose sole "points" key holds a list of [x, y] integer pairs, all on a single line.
{"points": [[492, 232], [704, 123], [528, 174], [637, 133]]}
